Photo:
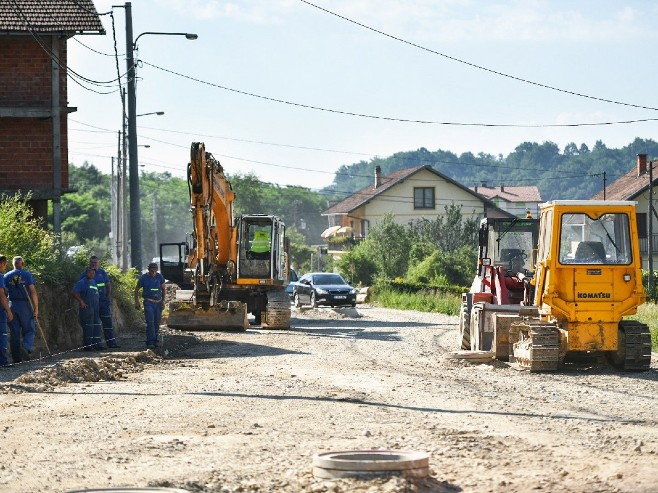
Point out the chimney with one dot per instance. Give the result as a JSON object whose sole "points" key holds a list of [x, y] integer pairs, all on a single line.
{"points": [[378, 175], [502, 187], [484, 184], [641, 164]]}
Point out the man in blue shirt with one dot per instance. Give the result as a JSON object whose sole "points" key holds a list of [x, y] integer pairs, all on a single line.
{"points": [[104, 285], [152, 286], [86, 292], [20, 285], [5, 314]]}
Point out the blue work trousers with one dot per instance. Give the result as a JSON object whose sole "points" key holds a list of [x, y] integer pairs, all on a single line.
{"points": [[21, 327], [105, 312], [153, 316], [4, 341], [91, 327]]}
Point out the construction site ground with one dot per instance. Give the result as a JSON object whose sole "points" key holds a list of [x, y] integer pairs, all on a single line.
{"points": [[246, 411]]}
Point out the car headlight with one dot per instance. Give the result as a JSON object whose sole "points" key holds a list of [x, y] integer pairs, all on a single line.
{"points": [[321, 291], [352, 291]]}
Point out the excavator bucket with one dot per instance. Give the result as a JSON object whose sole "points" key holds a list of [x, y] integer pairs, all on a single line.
{"points": [[224, 315]]}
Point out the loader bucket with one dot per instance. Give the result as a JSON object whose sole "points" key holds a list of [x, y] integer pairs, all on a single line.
{"points": [[224, 315]]}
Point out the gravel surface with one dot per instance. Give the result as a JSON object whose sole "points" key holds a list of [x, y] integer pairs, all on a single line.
{"points": [[245, 412]]}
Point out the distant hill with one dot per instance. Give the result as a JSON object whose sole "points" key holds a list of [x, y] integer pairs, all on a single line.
{"points": [[572, 173]]}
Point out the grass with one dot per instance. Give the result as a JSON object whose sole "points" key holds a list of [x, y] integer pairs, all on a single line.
{"points": [[422, 301], [648, 314]]}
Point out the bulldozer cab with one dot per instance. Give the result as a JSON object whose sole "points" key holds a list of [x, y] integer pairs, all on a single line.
{"points": [[588, 264], [261, 248]]}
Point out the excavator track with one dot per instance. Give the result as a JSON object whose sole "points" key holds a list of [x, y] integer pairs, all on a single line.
{"points": [[634, 347], [538, 347]]}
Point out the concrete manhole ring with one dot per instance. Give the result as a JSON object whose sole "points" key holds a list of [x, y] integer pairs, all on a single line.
{"points": [[130, 490], [355, 463]]}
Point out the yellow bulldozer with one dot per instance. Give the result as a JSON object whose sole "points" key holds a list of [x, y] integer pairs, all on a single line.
{"points": [[587, 280]]}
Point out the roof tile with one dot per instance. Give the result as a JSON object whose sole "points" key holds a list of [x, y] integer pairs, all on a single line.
{"points": [[511, 194], [49, 16]]}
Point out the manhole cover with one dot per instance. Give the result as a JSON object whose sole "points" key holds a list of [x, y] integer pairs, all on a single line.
{"points": [[359, 463]]}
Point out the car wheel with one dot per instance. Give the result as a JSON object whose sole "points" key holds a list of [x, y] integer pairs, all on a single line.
{"points": [[297, 302], [314, 301], [258, 317], [354, 304]]}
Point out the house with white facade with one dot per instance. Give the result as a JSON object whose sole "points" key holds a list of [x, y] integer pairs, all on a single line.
{"points": [[408, 194]]}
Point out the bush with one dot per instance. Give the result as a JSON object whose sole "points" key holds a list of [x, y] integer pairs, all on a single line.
{"points": [[444, 269]]}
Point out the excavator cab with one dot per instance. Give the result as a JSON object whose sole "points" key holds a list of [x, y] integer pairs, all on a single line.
{"points": [[261, 253]]}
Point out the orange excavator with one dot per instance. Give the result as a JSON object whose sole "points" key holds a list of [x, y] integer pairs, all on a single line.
{"points": [[227, 267]]}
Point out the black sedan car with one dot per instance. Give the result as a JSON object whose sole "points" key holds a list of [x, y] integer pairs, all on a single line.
{"points": [[323, 288]]}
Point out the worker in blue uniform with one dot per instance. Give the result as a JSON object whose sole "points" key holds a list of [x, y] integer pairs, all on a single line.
{"points": [[5, 315], [151, 284], [104, 285], [20, 284], [86, 292]]}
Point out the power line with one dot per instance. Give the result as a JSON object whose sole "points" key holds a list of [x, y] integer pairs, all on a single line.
{"points": [[401, 120], [480, 67]]}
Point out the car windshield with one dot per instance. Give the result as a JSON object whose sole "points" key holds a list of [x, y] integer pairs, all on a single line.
{"points": [[324, 279]]}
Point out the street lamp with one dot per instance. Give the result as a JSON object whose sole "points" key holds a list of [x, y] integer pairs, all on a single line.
{"points": [[135, 210], [160, 113]]}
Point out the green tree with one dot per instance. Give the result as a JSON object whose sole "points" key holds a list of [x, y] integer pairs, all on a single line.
{"points": [[388, 244], [24, 235], [357, 265]]}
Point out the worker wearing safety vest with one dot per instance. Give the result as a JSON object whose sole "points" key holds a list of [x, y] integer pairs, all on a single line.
{"points": [[261, 243], [86, 292], [104, 286], [152, 286]]}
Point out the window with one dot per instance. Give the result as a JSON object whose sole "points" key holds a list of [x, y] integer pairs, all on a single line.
{"points": [[595, 240], [423, 197]]}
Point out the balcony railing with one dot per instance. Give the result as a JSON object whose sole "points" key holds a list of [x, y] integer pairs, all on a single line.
{"points": [[644, 243]]}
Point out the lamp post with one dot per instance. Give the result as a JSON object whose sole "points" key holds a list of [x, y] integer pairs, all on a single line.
{"points": [[135, 210]]}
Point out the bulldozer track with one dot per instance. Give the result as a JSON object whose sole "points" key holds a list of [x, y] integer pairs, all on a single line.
{"points": [[634, 353], [538, 348]]}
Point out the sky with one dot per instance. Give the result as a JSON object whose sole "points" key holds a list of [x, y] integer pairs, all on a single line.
{"points": [[291, 90]]}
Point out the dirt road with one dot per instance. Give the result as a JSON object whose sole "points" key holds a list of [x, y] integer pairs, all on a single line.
{"points": [[245, 412]]}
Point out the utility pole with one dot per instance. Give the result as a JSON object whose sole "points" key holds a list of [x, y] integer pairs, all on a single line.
{"points": [[124, 198], [155, 227], [114, 216], [135, 209]]}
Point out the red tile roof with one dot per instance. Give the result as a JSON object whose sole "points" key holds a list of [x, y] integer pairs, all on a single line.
{"points": [[49, 17], [511, 194], [627, 187]]}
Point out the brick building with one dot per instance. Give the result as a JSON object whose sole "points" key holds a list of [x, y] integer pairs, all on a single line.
{"points": [[33, 96]]}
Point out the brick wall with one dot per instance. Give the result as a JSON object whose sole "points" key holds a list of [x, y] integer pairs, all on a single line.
{"points": [[26, 143]]}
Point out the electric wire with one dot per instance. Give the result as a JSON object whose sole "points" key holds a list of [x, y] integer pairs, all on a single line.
{"points": [[401, 158], [480, 67], [396, 119]]}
